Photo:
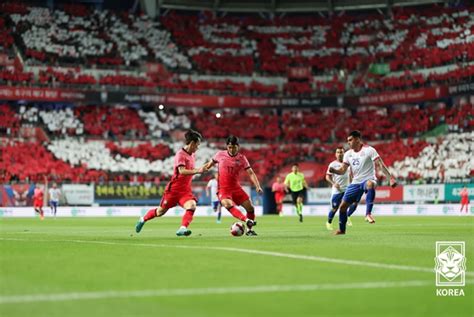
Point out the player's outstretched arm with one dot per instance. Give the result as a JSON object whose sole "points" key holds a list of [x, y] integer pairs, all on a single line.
{"points": [[386, 172], [339, 171], [183, 171], [254, 180]]}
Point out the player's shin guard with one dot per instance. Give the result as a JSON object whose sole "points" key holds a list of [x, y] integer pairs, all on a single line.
{"points": [[351, 210], [150, 214], [369, 200], [331, 215], [342, 221], [187, 218], [234, 211]]}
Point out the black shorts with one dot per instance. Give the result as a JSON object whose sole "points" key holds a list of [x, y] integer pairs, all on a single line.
{"points": [[295, 195]]}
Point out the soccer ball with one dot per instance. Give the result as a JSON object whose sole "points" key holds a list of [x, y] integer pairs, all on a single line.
{"points": [[237, 229]]}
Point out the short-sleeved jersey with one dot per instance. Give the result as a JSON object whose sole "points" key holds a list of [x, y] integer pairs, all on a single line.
{"points": [[295, 181], [229, 168], [361, 163], [38, 194], [54, 194], [278, 188], [464, 194], [212, 185], [341, 180], [179, 182]]}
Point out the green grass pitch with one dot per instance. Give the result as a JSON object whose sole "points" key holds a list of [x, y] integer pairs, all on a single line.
{"points": [[100, 267]]}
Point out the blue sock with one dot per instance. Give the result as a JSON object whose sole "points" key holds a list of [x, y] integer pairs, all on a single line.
{"points": [[331, 215], [369, 200], [219, 216], [351, 210], [342, 221]]}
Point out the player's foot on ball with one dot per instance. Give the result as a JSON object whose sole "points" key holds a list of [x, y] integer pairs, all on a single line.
{"points": [[349, 222], [339, 232], [301, 217], [183, 231], [329, 226], [369, 219], [250, 223], [251, 233]]}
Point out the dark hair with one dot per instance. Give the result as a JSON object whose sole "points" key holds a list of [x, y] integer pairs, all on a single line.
{"points": [[355, 134], [340, 147], [233, 140], [295, 164], [192, 135]]}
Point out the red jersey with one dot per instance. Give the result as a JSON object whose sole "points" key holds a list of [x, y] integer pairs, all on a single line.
{"points": [[179, 182], [229, 168], [278, 188], [464, 195], [38, 195]]}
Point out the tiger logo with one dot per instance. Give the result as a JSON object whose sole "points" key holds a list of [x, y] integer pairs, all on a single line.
{"points": [[450, 264]]}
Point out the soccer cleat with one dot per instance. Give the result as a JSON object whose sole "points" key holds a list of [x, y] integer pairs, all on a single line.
{"points": [[369, 219], [339, 232], [251, 233], [301, 217], [218, 221], [329, 226], [183, 231], [349, 222], [250, 223], [139, 226]]}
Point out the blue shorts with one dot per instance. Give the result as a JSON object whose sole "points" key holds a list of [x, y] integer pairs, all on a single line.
{"points": [[54, 204], [215, 204], [336, 200], [354, 192]]}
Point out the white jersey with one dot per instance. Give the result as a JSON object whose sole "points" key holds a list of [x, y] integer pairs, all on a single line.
{"points": [[54, 194], [362, 163], [213, 186], [341, 180]]}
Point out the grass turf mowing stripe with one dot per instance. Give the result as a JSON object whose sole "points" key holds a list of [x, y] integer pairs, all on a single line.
{"points": [[258, 252], [15, 299]]}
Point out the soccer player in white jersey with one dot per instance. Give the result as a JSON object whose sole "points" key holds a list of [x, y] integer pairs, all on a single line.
{"points": [[361, 158], [339, 184], [211, 190], [54, 194]]}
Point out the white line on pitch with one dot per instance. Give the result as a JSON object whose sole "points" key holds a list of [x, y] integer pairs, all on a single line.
{"points": [[13, 299], [258, 252]]}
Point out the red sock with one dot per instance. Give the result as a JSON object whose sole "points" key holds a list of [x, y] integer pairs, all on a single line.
{"points": [[234, 211], [187, 218], [150, 214]]}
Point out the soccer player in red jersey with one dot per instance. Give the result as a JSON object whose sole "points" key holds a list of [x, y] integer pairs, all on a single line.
{"points": [[38, 201], [229, 164], [464, 199], [279, 190], [178, 190]]}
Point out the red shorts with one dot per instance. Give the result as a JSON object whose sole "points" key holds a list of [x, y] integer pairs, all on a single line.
{"points": [[171, 199], [37, 203], [237, 195], [279, 197], [464, 201]]}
